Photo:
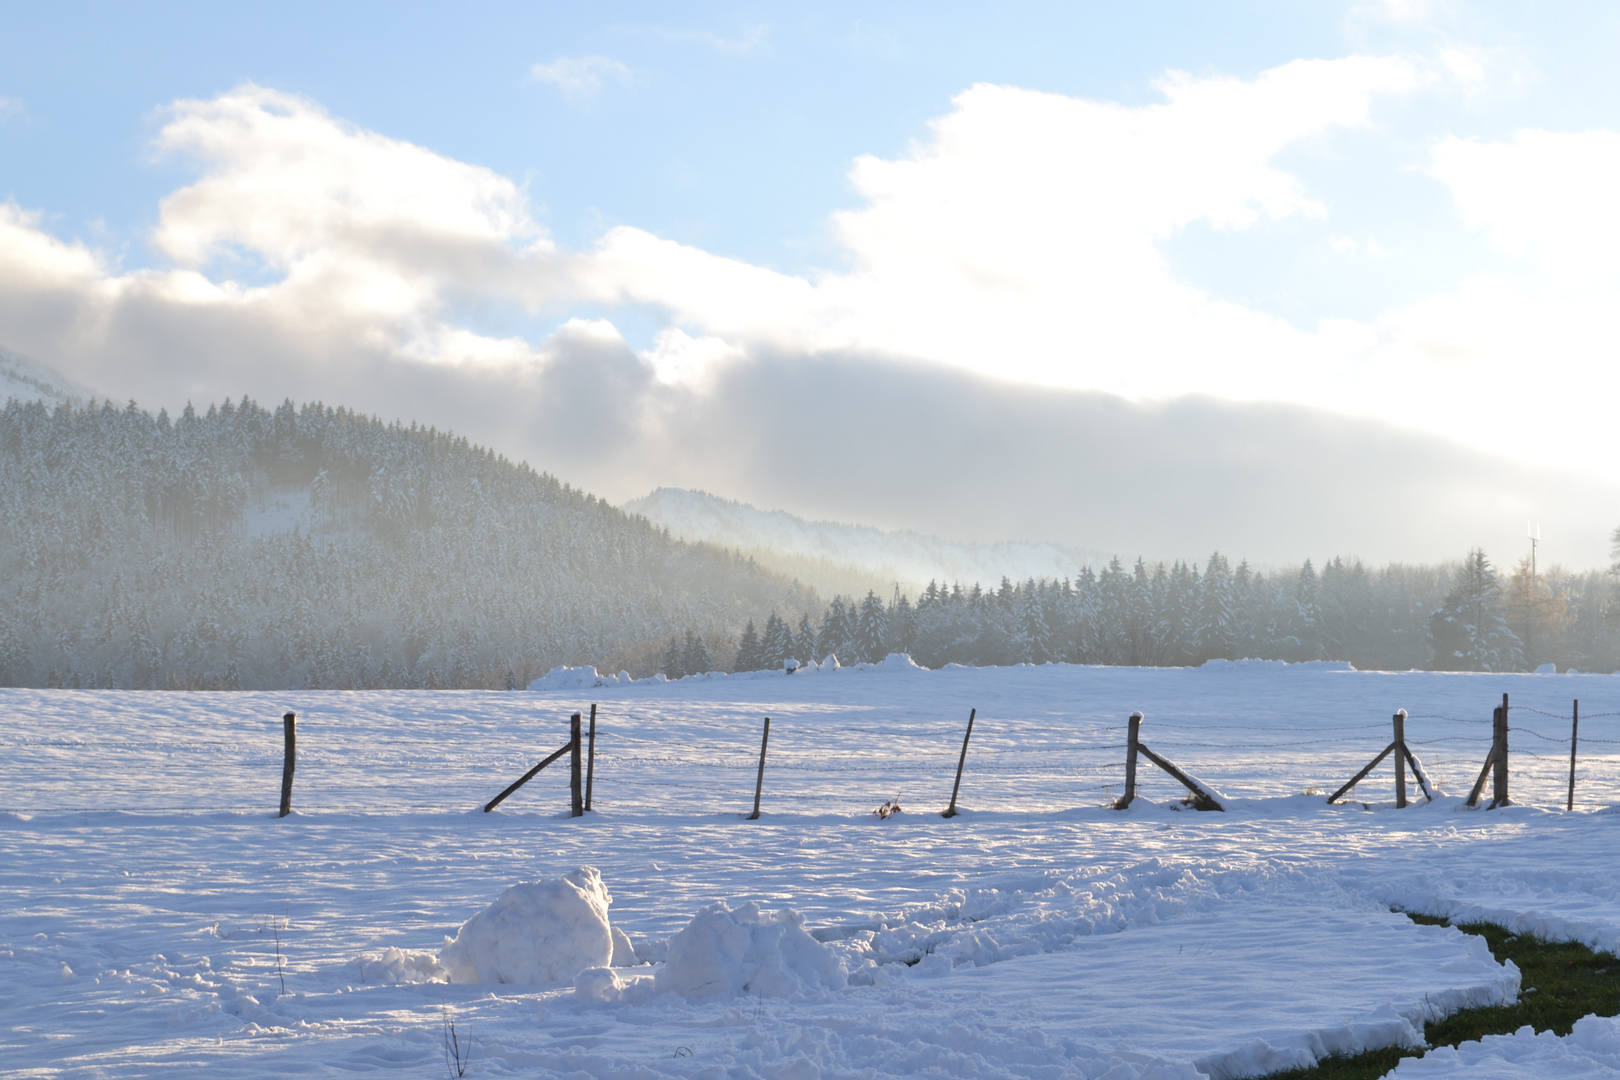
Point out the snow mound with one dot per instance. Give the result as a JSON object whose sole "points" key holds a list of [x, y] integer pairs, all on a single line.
{"points": [[1591, 1049], [729, 951], [539, 933], [563, 677], [398, 966], [1276, 665]]}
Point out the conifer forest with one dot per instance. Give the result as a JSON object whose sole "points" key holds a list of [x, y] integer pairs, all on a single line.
{"points": [[314, 547]]}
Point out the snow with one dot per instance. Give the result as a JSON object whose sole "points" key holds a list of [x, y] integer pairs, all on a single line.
{"points": [[885, 555], [538, 933], [1591, 1050], [151, 905], [563, 677], [26, 379]]}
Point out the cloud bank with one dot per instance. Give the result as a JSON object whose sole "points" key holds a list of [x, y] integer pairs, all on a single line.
{"points": [[1007, 353]]}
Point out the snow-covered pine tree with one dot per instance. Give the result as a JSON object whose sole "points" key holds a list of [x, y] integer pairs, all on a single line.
{"points": [[872, 629], [672, 666], [777, 645], [1034, 637], [1470, 631], [902, 624], [695, 655], [804, 642], [749, 657], [1217, 615], [836, 632]]}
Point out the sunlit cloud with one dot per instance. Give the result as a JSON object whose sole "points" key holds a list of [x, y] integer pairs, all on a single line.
{"points": [[1021, 240]]}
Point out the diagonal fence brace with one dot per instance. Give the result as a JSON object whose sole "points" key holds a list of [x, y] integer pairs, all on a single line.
{"points": [[530, 775]]}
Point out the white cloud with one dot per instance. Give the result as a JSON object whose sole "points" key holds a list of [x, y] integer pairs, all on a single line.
{"points": [[1023, 237], [580, 77], [1020, 240], [11, 107]]}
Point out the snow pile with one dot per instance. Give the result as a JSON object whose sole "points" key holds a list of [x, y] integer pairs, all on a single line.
{"points": [[1592, 1049], [398, 966], [563, 677], [540, 933], [1276, 665], [729, 951]]}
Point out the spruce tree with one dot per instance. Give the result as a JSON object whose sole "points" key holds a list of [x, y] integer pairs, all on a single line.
{"points": [[1470, 631], [695, 655], [778, 643], [672, 667], [804, 642], [872, 629], [1217, 617], [749, 657]]}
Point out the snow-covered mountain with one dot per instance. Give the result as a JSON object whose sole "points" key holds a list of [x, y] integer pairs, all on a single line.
{"points": [[844, 558], [26, 379]]}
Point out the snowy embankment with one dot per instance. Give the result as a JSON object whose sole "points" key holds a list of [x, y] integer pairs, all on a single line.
{"points": [[151, 907]]}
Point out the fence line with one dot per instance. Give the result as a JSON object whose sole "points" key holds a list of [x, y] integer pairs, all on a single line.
{"points": [[1051, 763]]}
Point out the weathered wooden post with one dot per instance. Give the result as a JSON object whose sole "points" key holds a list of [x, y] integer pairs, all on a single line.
{"points": [[289, 724], [1499, 784], [759, 781], [1133, 738], [1574, 730], [950, 811], [1400, 759], [576, 770], [590, 759]]}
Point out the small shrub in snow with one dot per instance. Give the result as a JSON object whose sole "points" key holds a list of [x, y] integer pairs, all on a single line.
{"points": [[888, 809]]}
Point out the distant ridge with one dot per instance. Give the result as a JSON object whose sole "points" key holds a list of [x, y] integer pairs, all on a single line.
{"points": [[836, 557], [26, 379]]}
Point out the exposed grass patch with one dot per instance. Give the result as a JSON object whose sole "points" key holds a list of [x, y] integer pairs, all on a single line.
{"points": [[1562, 982]]}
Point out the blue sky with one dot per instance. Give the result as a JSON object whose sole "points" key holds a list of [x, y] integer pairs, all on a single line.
{"points": [[733, 126], [1384, 210]]}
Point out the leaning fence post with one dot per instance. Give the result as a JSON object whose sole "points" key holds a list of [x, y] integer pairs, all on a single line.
{"points": [[576, 792], [1133, 737], [1499, 785], [950, 811], [1574, 730], [590, 758], [759, 781], [1400, 758], [289, 724]]}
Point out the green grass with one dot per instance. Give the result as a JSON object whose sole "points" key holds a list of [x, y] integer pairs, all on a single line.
{"points": [[1562, 982]]}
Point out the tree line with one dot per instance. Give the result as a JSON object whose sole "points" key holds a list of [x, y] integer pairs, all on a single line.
{"points": [[1450, 617]]}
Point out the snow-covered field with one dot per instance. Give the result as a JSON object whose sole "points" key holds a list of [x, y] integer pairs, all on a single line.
{"points": [[146, 888]]}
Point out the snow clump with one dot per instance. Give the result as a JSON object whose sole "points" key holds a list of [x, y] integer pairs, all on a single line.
{"points": [[729, 951], [538, 933], [563, 677]]}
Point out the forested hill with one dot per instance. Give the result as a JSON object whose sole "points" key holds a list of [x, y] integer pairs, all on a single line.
{"points": [[316, 547]]}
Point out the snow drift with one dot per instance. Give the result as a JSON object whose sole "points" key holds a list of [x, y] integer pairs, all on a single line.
{"points": [[726, 951], [540, 933]]}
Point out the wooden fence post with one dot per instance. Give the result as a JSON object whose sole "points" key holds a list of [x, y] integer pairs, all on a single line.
{"points": [[576, 790], [1574, 730], [590, 759], [759, 781], [950, 811], [1499, 784], [1490, 761], [1133, 736], [1400, 759], [289, 725]]}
